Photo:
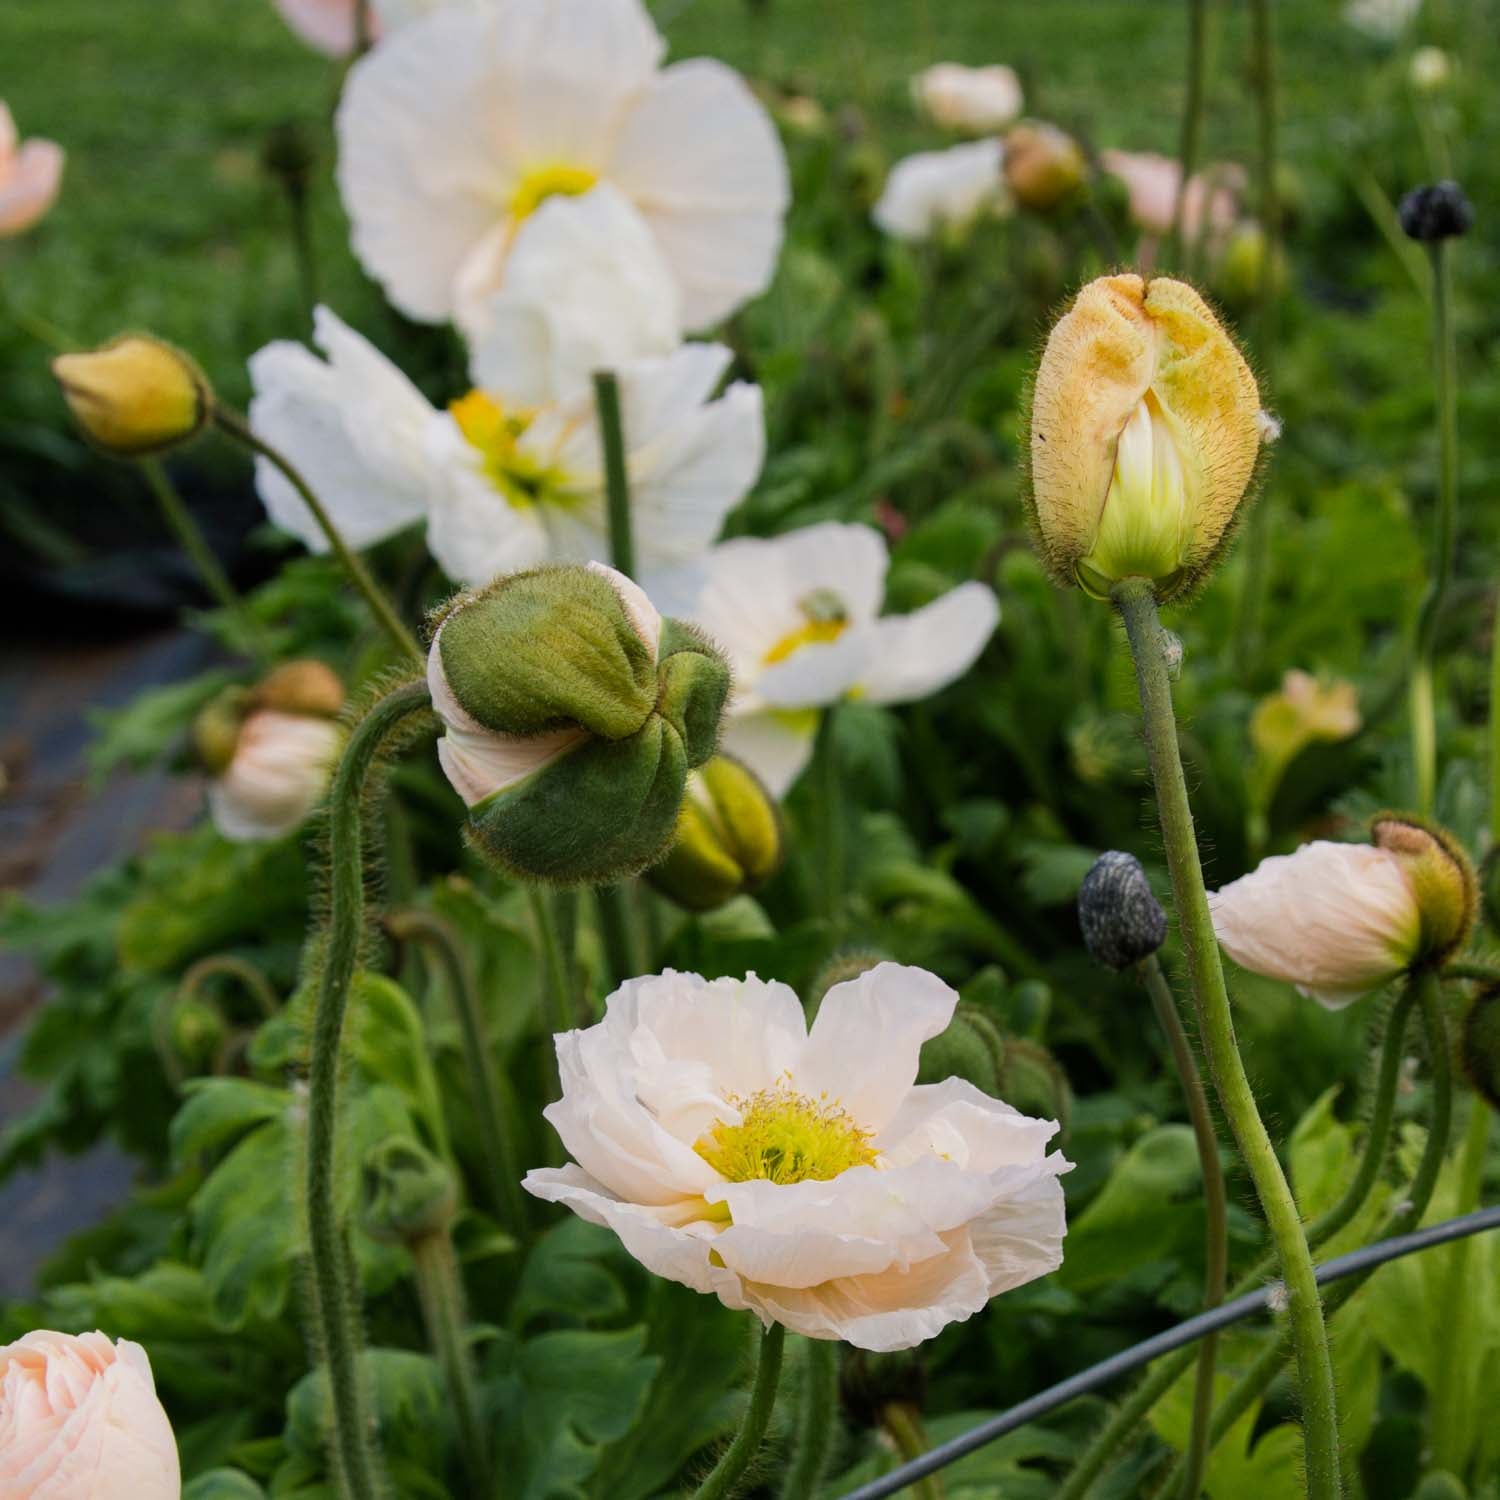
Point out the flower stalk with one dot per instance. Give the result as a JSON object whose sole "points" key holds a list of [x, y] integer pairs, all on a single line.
{"points": [[617, 480], [1192, 127], [724, 1477], [904, 1427], [356, 1458], [1136, 601], [817, 1420], [381, 607]]}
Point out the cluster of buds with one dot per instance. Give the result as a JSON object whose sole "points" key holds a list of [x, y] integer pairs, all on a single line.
{"points": [[573, 714]]}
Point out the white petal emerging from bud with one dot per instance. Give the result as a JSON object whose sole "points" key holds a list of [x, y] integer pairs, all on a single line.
{"points": [[281, 766], [1335, 920]]}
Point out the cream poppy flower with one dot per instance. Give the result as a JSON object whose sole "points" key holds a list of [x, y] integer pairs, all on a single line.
{"points": [[79, 1419], [456, 129], [934, 191], [280, 769], [30, 176], [799, 618], [972, 99], [502, 485], [803, 1175]]}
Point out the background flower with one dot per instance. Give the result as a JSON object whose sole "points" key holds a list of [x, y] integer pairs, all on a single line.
{"points": [[975, 99], [278, 774], [802, 1174], [30, 176], [936, 190]]}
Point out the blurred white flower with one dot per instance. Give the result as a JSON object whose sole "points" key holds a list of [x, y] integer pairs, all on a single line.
{"points": [[1430, 69], [1384, 20], [281, 768], [799, 618], [30, 176], [456, 129], [803, 1175], [938, 190], [80, 1419], [971, 99], [502, 485]]}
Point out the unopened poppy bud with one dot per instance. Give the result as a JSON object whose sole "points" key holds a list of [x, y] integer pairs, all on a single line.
{"points": [[1145, 431], [1440, 211], [728, 839], [972, 1048], [1123, 923], [405, 1192], [302, 687], [1441, 877], [573, 714], [1489, 888], [1479, 1045], [1043, 165], [197, 1032], [135, 395]]}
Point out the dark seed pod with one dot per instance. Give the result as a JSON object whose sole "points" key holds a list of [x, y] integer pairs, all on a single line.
{"points": [[1122, 921], [1439, 211]]}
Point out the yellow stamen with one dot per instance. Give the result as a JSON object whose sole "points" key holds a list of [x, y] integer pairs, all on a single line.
{"points": [[783, 1136], [541, 183], [495, 432]]}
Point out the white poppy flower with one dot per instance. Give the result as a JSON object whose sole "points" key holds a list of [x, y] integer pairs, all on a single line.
{"points": [[1335, 920], [456, 129], [804, 1176], [973, 99], [937, 190], [503, 486], [281, 767], [799, 618], [1384, 20]]}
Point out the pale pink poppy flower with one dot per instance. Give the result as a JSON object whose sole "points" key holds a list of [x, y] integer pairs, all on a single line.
{"points": [[1212, 200], [800, 1173], [972, 99], [79, 1420], [1335, 920], [30, 175]]}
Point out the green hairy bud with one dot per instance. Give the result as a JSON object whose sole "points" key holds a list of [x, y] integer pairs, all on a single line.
{"points": [[405, 1192]]}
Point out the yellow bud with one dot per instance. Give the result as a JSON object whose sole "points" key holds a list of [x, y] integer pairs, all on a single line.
{"points": [[302, 687], [1441, 877], [1042, 165], [1145, 430], [134, 395], [728, 838]]}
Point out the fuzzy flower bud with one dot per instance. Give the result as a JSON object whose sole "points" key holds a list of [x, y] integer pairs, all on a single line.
{"points": [[1043, 165], [1145, 430], [972, 1048], [728, 839], [134, 395], [405, 1192], [1340, 920], [1122, 921], [1440, 211], [302, 687], [573, 713]]}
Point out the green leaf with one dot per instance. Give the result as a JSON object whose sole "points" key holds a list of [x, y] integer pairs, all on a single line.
{"points": [[563, 1277], [219, 1109]]}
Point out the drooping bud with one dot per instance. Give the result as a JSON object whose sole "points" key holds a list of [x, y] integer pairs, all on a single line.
{"points": [[197, 1032], [1145, 431], [1043, 165], [134, 395], [972, 1048], [1123, 923], [573, 713], [1440, 211], [728, 839], [405, 1192], [1479, 1044], [302, 687], [1441, 877]]}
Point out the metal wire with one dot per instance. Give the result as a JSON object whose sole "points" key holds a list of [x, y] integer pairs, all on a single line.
{"points": [[1163, 1343]]}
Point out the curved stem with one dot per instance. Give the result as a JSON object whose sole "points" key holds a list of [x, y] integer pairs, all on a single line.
{"points": [[1192, 124], [1483, 973], [1136, 601], [356, 1460], [904, 1425], [359, 575], [1216, 1208], [251, 979], [817, 1421], [1423, 727], [490, 1094], [441, 1293], [725, 1475]]}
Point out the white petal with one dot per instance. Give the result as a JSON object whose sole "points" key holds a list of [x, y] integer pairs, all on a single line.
{"points": [[702, 161], [280, 769], [354, 427], [915, 655], [938, 189], [1336, 920], [820, 672], [637, 605], [955, 1120], [864, 1046], [584, 288], [776, 746], [1021, 1237]]}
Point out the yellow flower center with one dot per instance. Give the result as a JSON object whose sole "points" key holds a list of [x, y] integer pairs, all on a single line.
{"points": [[783, 1136], [495, 432], [824, 620], [542, 183]]}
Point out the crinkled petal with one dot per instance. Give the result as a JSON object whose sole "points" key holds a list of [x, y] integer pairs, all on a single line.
{"points": [[912, 656], [958, 1122]]}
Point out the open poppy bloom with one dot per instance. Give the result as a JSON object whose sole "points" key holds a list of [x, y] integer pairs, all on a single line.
{"points": [[803, 1174]]}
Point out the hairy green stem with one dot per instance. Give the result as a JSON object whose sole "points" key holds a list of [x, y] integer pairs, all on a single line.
{"points": [[829, 791], [335, 1296], [723, 1479], [904, 1425], [817, 1420], [226, 965], [441, 1292], [1423, 717], [1481, 972], [616, 478], [1216, 1210], [1252, 1385], [1136, 601], [1192, 125], [359, 575], [492, 1104]]}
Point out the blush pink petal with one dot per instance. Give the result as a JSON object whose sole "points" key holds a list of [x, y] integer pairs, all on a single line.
{"points": [[29, 183]]}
